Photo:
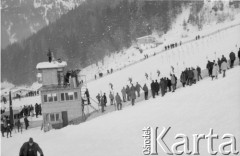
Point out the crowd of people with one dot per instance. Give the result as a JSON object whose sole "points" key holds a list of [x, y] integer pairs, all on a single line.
{"points": [[188, 77]]}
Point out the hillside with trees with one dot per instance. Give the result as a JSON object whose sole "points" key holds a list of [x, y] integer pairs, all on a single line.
{"points": [[87, 33]]}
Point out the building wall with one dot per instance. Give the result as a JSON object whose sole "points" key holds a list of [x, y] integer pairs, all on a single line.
{"points": [[73, 107], [49, 77]]}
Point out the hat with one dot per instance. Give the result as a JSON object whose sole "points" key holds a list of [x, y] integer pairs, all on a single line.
{"points": [[31, 140]]}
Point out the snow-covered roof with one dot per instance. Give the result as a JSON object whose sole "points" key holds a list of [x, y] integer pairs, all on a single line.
{"points": [[53, 64]]}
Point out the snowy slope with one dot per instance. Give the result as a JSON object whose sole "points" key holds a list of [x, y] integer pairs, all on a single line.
{"points": [[190, 110]]}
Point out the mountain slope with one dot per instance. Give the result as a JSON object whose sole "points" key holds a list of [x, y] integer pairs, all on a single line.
{"points": [[22, 18], [190, 110]]}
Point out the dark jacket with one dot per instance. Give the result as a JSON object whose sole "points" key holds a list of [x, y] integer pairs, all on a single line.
{"points": [[232, 56], [183, 78], [25, 147], [145, 88]]}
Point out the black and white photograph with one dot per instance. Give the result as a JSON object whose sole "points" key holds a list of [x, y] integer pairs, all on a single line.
{"points": [[120, 77]]}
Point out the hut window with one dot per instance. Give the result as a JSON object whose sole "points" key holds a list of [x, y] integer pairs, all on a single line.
{"points": [[62, 97], [57, 117], [70, 95], [50, 98], [67, 97], [52, 117], [75, 95], [54, 96], [45, 98]]}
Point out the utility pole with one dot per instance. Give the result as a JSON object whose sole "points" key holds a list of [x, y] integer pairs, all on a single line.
{"points": [[10, 109]]}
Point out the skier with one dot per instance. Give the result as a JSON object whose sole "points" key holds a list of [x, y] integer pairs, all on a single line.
{"points": [[145, 89], [118, 101], [232, 59], [30, 148], [123, 94]]}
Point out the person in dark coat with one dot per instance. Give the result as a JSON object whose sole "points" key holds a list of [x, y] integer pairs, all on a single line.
{"points": [[239, 55], [19, 125], [191, 75], [26, 122], [153, 89], [102, 103], [98, 98], [9, 127], [169, 84], [199, 73], [223, 58], [145, 89], [105, 99], [156, 86], [219, 64], [232, 59], [128, 93], [138, 88], [36, 110], [162, 86], [210, 67], [118, 101], [88, 96], [3, 126], [183, 78], [30, 148], [133, 94]]}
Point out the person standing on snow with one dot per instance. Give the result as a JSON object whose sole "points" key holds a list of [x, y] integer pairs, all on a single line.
{"points": [[123, 94], [133, 94], [138, 87], [215, 71], [232, 59], [199, 73], [145, 89], [239, 56], [30, 148], [224, 68], [111, 97], [105, 99], [88, 96], [153, 89], [118, 101], [183, 78]]}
